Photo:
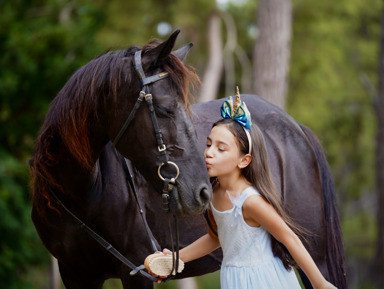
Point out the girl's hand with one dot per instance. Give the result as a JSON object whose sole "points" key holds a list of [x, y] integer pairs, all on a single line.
{"points": [[161, 264]]}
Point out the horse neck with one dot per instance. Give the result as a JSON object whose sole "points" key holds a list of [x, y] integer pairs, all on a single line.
{"points": [[74, 178]]}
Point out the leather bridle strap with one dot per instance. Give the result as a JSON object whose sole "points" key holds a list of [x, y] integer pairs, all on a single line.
{"points": [[168, 187], [129, 180], [163, 157], [159, 135], [144, 79], [129, 119], [168, 183], [107, 246], [144, 93]]}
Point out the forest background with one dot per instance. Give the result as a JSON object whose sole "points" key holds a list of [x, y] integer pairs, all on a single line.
{"points": [[332, 83]]}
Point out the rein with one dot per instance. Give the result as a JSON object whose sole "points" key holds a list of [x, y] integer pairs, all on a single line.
{"points": [[167, 187]]}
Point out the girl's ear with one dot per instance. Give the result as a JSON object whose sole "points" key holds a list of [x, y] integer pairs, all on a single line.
{"points": [[245, 161]]}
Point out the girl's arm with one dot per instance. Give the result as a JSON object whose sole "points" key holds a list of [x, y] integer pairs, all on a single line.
{"points": [[201, 247], [262, 213]]}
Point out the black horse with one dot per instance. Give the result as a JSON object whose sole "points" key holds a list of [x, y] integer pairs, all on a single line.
{"points": [[74, 160]]}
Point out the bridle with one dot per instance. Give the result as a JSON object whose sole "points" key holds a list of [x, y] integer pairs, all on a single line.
{"points": [[168, 183], [145, 94]]}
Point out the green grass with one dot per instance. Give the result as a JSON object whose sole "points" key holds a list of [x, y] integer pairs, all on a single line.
{"points": [[208, 281]]}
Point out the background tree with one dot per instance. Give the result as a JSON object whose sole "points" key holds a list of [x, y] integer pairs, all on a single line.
{"points": [[213, 71], [272, 50]]}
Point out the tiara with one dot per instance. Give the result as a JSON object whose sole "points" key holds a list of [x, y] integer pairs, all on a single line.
{"points": [[239, 112]]}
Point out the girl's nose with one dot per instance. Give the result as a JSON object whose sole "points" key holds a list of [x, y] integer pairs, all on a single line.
{"points": [[208, 152]]}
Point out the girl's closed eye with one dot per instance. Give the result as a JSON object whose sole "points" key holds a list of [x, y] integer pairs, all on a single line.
{"points": [[221, 149]]}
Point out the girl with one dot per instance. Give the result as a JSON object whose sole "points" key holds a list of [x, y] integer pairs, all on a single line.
{"points": [[259, 242]]}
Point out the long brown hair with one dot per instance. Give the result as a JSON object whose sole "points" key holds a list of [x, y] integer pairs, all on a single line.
{"points": [[259, 175]]}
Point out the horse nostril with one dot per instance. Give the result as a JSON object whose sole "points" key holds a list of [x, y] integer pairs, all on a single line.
{"points": [[205, 196]]}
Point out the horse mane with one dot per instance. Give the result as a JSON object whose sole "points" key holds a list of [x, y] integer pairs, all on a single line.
{"points": [[67, 123]]}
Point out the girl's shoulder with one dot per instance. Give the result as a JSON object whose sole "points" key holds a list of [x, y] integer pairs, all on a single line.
{"points": [[252, 198], [246, 194], [250, 191], [255, 202]]}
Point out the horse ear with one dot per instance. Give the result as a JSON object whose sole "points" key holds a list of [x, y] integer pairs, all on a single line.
{"points": [[160, 52], [183, 51]]}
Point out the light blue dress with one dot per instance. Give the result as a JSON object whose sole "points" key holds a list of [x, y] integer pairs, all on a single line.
{"points": [[248, 260]]}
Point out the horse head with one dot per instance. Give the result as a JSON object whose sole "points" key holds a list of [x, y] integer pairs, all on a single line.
{"points": [[150, 124]]}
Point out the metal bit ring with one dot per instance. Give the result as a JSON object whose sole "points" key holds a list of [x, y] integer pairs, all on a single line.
{"points": [[170, 163]]}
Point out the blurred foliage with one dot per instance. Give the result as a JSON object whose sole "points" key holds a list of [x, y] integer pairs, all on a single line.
{"points": [[42, 43], [20, 247], [332, 46], [136, 22]]}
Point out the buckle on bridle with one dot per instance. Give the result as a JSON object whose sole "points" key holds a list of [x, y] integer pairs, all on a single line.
{"points": [[162, 148]]}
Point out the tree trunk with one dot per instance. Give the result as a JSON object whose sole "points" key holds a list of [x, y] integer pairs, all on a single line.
{"points": [[187, 283], [212, 76], [54, 275], [272, 50], [378, 262]]}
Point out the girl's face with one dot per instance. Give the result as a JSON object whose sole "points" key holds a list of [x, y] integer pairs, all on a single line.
{"points": [[222, 155]]}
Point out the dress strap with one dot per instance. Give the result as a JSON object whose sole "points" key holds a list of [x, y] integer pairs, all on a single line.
{"points": [[238, 202], [240, 199]]}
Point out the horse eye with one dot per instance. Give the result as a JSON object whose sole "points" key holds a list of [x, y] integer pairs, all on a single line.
{"points": [[164, 111]]}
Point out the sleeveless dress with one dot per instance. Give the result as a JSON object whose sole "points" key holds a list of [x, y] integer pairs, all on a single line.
{"points": [[248, 260]]}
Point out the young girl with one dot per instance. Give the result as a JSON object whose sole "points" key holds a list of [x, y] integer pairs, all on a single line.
{"points": [[259, 243]]}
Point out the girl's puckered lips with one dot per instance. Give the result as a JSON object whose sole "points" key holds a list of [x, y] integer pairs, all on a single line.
{"points": [[208, 164]]}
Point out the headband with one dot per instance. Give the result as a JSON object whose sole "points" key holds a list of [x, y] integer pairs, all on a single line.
{"points": [[239, 112]]}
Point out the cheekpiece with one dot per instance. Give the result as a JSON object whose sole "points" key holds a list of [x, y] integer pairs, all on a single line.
{"points": [[237, 111]]}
